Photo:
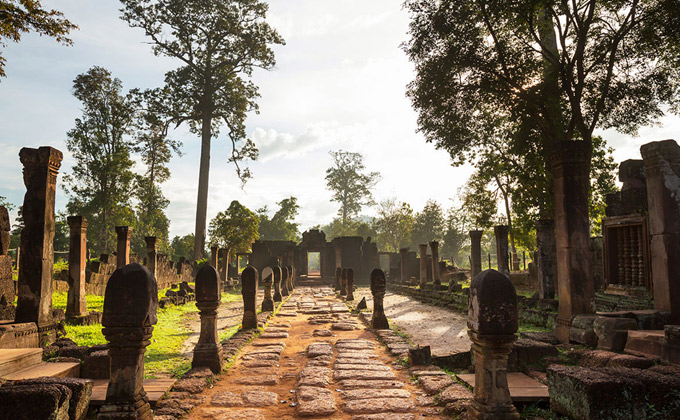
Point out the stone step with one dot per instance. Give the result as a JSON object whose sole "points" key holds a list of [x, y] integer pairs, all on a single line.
{"points": [[13, 360], [54, 370], [646, 342]]}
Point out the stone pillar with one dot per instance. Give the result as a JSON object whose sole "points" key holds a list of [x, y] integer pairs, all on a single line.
{"points": [[208, 352], [214, 259], [7, 292], [403, 265], [378, 289], [130, 305], [123, 234], [501, 233], [267, 280], [475, 252], [223, 263], [249, 292], [545, 244], [662, 173], [338, 255], [422, 248], [151, 254], [76, 303], [277, 284], [338, 279], [343, 282], [436, 277], [291, 278], [492, 324], [284, 281], [37, 238], [571, 179], [349, 284]]}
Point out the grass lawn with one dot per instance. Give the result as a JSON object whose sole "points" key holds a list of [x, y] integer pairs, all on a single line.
{"points": [[163, 356]]}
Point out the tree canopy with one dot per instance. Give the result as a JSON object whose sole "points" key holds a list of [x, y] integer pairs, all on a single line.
{"points": [[281, 226], [428, 225], [350, 185], [216, 42], [22, 16], [394, 225], [100, 185], [234, 229]]}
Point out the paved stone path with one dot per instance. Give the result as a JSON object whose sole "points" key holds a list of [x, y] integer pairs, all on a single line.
{"points": [[315, 359]]}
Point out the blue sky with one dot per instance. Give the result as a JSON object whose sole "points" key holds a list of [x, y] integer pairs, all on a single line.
{"points": [[339, 83]]}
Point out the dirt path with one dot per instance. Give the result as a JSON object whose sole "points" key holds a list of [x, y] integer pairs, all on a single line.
{"points": [[426, 325], [314, 360], [229, 314]]}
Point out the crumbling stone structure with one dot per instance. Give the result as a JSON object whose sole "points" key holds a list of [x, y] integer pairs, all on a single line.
{"points": [[37, 238], [492, 324], [501, 233], [349, 284], [436, 274], [475, 252], [130, 306], [277, 284], [123, 234], [545, 245], [422, 249], [7, 292], [76, 304], [208, 351]]}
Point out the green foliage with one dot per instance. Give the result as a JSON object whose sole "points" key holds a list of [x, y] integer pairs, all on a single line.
{"points": [[155, 149], [350, 186], [182, 246], [394, 225], [235, 228], [456, 236], [352, 227], [428, 225], [6, 204], [216, 43], [100, 184], [22, 16], [281, 226]]}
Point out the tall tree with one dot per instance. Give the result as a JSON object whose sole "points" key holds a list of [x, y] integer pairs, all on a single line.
{"points": [[281, 226], [216, 42], [100, 185], [234, 229], [394, 225], [351, 187], [456, 235], [22, 16], [150, 141], [429, 224], [182, 247], [565, 68]]}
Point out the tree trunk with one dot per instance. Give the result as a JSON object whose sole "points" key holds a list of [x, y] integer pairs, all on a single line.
{"points": [[513, 250], [203, 181]]}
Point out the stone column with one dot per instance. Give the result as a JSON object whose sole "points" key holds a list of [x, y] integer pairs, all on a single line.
{"points": [[284, 281], [76, 303], [291, 280], [662, 173], [123, 234], [436, 277], [249, 292], [343, 282], [224, 263], [130, 305], [338, 255], [501, 233], [267, 280], [403, 265], [7, 292], [378, 289], [571, 178], [208, 352], [277, 284], [422, 248], [545, 244], [338, 279], [151, 254], [492, 324], [214, 259], [349, 284], [475, 252], [37, 238]]}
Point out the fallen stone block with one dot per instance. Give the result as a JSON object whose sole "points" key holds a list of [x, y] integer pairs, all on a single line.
{"points": [[81, 391]]}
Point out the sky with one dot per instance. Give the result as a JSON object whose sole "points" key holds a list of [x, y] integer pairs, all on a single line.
{"points": [[339, 83]]}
